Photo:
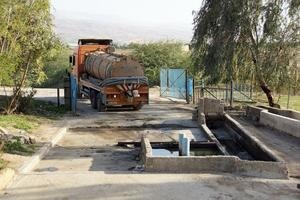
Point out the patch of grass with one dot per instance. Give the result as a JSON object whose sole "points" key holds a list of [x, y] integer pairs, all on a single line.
{"points": [[36, 113], [294, 100], [24, 122], [16, 147], [47, 109]]}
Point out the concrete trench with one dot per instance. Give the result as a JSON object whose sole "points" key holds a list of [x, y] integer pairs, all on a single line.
{"points": [[244, 155], [239, 151]]}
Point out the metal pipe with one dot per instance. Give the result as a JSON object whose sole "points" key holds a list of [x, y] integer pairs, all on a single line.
{"points": [[186, 147], [180, 142]]}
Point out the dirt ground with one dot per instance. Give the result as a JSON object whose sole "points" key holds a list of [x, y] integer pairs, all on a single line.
{"points": [[87, 164]]}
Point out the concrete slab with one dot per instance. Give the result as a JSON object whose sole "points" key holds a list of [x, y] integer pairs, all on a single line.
{"points": [[212, 163], [95, 185], [284, 146], [285, 124], [86, 182], [6, 176]]}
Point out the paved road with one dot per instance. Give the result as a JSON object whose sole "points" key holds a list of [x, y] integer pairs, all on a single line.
{"points": [[86, 164], [44, 94]]}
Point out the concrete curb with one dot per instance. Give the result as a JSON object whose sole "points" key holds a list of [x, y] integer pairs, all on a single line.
{"points": [[39, 155], [6, 175]]}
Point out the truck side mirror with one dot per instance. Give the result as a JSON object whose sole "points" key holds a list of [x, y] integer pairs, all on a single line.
{"points": [[70, 59]]}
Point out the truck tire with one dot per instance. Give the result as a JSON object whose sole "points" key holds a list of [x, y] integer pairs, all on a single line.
{"points": [[93, 98], [101, 107]]}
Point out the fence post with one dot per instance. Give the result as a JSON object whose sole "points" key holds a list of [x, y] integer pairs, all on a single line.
{"points": [[202, 88], [194, 90], [251, 87], [289, 94], [58, 97], [73, 94], [187, 88], [231, 93], [226, 94]]}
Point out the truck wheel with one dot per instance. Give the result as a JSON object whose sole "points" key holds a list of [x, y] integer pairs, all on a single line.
{"points": [[100, 105], [93, 97]]}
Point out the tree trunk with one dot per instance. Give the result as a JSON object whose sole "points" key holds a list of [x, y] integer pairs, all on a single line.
{"points": [[258, 73], [13, 104], [266, 89]]}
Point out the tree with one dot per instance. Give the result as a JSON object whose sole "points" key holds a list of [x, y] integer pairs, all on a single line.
{"points": [[232, 37], [26, 37], [160, 55], [55, 67]]}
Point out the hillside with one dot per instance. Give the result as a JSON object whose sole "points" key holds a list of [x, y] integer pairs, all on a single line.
{"points": [[70, 27]]}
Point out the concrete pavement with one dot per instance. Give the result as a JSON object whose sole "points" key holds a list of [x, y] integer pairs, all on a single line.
{"points": [[86, 164]]}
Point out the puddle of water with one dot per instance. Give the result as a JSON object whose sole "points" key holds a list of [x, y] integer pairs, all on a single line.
{"points": [[173, 152]]}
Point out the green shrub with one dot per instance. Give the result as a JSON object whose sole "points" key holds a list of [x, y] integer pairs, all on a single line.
{"points": [[16, 147], [157, 55]]}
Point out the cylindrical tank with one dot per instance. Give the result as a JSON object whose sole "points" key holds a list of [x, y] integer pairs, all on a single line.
{"points": [[103, 65]]}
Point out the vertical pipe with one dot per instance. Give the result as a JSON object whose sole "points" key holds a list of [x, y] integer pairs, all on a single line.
{"points": [[180, 142], [186, 147]]}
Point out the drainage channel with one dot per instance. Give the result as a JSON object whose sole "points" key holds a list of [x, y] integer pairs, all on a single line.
{"points": [[229, 139], [235, 143]]}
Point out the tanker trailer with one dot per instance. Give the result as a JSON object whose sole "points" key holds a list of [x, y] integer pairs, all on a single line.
{"points": [[109, 79]]}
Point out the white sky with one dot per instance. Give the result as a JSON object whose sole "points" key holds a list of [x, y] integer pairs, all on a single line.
{"points": [[139, 11]]}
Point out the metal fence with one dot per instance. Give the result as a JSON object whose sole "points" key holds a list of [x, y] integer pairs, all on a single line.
{"points": [[229, 93]]}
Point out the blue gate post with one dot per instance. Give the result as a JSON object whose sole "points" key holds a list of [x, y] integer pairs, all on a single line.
{"points": [[73, 93], [190, 89]]}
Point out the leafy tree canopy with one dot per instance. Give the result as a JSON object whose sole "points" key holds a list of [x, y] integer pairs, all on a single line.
{"points": [[234, 39], [26, 39], [158, 55]]}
